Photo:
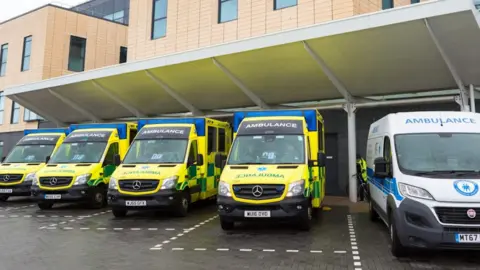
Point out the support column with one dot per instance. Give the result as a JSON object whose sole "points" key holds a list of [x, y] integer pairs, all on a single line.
{"points": [[352, 152], [472, 98]]}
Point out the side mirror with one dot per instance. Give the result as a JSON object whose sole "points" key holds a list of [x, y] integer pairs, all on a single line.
{"points": [[321, 159], [381, 168], [220, 161], [190, 161], [47, 159], [200, 160], [3, 159], [116, 160]]}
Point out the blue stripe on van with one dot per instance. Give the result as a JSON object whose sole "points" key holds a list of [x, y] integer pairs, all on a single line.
{"points": [[387, 185]]}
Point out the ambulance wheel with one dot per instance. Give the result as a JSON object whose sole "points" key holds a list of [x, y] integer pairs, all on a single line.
{"points": [[119, 213], [396, 248], [371, 211], [45, 205], [97, 198], [4, 198], [305, 223], [181, 210], [227, 225]]}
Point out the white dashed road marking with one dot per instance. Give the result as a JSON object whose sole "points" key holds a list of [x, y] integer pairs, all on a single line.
{"points": [[353, 242], [71, 220]]}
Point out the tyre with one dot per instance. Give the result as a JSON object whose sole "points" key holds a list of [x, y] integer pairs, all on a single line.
{"points": [[181, 210], [45, 205], [305, 223], [97, 198], [373, 215], [119, 213], [4, 198], [227, 225], [396, 248]]}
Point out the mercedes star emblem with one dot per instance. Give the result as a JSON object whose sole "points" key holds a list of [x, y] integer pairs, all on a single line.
{"points": [[136, 185], [6, 178], [257, 191], [53, 181], [471, 213]]}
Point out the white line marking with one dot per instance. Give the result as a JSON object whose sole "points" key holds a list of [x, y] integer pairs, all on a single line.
{"points": [[67, 228], [84, 228], [68, 216], [245, 249], [101, 229], [135, 229], [166, 242], [223, 249], [117, 229], [180, 234], [51, 225], [354, 247], [173, 238], [155, 248], [27, 216], [177, 248], [339, 251], [268, 250], [315, 251], [357, 263], [200, 249], [356, 257], [353, 243], [71, 220], [170, 229], [292, 250], [355, 252], [159, 245], [152, 229], [41, 216]]}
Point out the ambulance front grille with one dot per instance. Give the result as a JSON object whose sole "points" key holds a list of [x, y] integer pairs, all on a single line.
{"points": [[457, 215], [138, 185], [267, 191], [56, 181], [9, 178]]}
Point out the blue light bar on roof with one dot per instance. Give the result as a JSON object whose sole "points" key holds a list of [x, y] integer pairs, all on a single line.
{"points": [[309, 115], [198, 122], [121, 128], [46, 130]]}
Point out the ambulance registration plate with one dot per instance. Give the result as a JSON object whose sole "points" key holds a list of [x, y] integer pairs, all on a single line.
{"points": [[136, 203], [257, 214], [53, 196], [467, 238], [6, 190]]}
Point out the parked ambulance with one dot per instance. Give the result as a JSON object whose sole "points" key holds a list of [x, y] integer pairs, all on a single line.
{"points": [[275, 168], [424, 177], [79, 171], [169, 165], [27, 157]]}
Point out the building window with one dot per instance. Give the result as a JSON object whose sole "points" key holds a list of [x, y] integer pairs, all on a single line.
{"points": [[415, 1], [227, 10], [76, 58], [3, 59], [159, 22], [29, 116], [27, 50], [2, 107], [386, 4], [279, 4], [118, 16], [1, 149], [123, 54], [15, 117]]}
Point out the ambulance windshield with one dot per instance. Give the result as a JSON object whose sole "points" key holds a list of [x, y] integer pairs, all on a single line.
{"points": [[29, 153], [268, 149], [157, 151], [79, 152], [438, 153]]}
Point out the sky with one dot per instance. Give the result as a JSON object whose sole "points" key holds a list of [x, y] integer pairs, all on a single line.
{"points": [[12, 8]]}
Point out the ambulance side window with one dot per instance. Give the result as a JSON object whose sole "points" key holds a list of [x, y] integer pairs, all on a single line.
{"points": [[193, 153], [133, 133], [112, 151], [212, 140], [387, 151], [221, 140]]}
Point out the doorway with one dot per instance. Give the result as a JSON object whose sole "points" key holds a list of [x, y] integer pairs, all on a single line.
{"points": [[331, 148]]}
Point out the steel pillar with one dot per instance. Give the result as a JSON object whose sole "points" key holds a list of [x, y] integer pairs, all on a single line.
{"points": [[350, 108], [472, 98]]}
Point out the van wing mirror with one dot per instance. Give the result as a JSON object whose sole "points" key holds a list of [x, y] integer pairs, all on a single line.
{"points": [[220, 160], [382, 169], [321, 159], [116, 160], [200, 160], [47, 159]]}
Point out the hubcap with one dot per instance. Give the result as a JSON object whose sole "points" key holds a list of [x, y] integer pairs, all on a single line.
{"points": [[99, 197], [185, 203]]}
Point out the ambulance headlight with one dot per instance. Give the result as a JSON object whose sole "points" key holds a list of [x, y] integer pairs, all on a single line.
{"points": [[113, 183], [296, 188], [82, 179], [170, 182], [415, 192], [224, 189]]}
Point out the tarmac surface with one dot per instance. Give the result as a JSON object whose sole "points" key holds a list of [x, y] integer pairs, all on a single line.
{"points": [[70, 237]]}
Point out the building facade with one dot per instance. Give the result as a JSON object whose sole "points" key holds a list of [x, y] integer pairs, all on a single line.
{"points": [[48, 42]]}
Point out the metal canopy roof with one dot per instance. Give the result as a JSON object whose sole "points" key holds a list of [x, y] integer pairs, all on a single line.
{"points": [[428, 46]]}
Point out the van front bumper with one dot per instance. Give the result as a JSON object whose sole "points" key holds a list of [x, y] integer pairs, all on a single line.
{"points": [[163, 199], [22, 189], [78, 193], [418, 227], [288, 209]]}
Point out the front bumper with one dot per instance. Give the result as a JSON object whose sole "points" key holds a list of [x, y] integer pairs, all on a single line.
{"points": [[163, 199], [22, 189], [73, 194], [418, 227], [288, 209]]}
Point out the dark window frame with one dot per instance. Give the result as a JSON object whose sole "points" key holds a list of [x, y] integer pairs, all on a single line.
{"points": [[212, 144], [2, 107], [15, 109], [275, 5], [115, 148], [415, 1], [123, 59], [3, 59], [82, 51], [222, 140], [387, 4], [193, 151], [27, 39], [29, 114], [152, 35], [222, 2]]}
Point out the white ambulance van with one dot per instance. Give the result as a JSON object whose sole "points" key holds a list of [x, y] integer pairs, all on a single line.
{"points": [[424, 177]]}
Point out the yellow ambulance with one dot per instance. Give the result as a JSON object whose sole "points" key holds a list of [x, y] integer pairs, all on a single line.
{"points": [[169, 165], [29, 155], [275, 169], [79, 171]]}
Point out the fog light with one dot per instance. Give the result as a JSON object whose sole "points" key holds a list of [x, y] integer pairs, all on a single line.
{"points": [[83, 192], [220, 207], [170, 198], [299, 207]]}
